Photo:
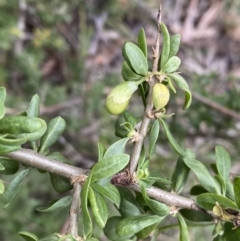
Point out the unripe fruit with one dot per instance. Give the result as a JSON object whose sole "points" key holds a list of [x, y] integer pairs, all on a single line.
{"points": [[118, 99], [161, 96]]}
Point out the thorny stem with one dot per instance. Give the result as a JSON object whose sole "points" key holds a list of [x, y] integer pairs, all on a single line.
{"points": [[146, 120], [34, 159], [74, 211]]}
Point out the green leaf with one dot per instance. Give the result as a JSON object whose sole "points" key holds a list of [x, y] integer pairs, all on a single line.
{"points": [[2, 187], [116, 148], [221, 183], [165, 47], [17, 130], [28, 236], [57, 205], [54, 130], [2, 109], [195, 216], [182, 84], [130, 118], [146, 232], [208, 201], [203, 175], [120, 131], [109, 166], [33, 109], [218, 229], [142, 42], [6, 149], [13, 187], [64, 182], [229, 190], [236, 186], [59, 183], [142, 159], [179, 176], [174, 44], [54, 237], [171, 140], [184, 236], [133, 225], [128, 206], [231, 233], [172, 65], [87, 221], [158, 208], [10, 166], [109, 191], [197, 189], [135, 57], [128, 74], [223, 163], [110, 229], [99, 207], [153, 137], [3, 94], [101, 151]]}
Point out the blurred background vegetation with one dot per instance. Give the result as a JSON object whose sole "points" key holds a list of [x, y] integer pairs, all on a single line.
{"points": [[69, 52]]}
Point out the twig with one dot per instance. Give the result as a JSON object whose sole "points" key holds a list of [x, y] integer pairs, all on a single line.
{"points": [[170, 199], [34, 159], [146, 120], [74, 211], [216, 106]]}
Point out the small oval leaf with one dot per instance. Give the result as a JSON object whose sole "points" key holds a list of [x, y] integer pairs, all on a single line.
{"points": [[208, 201], [2, 187], [128, 74], [172, 141], [110, 229], [28, 236], [109, 191], [99, 207], [109, 166], [116, 148], [203, 175], [13, 187], [174, 44], [179, 176], [135, 57], [182, 84], [184, 235], [10, 166], [135, 224], [158, 208], [153, 137], [54, 130], [165, 47], [223, 163], [34, 106], [142, 43], [172, 65], [236, 186], [57, 205], [87, 221]]}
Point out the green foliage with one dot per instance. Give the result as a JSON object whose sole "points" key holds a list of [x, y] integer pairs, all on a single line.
{"points": [[140, 215]]}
